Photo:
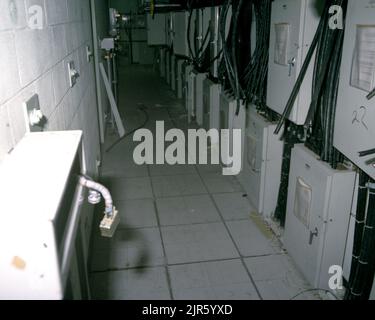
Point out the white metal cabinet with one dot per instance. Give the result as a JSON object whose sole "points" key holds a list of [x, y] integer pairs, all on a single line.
{"points": [[293, 26], [198, 97], [229, 120], [156, 30], [42, 242], [261, 172], [180, 45], [211, 104], [318, 213], [355, 126]]}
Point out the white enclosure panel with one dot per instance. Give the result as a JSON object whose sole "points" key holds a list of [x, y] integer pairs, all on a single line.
{"points": [[180, 44], [211, 104], [355, 125], [200, 77], [229, 120], [38, 186], [261, 172], [318, 213], [293, 26], [156, 30]]}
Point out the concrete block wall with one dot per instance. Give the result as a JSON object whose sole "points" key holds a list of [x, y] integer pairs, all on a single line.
{"points": [[35, 61]]}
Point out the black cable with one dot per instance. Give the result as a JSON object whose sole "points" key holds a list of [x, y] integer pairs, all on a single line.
{"points": [[147, 118]]}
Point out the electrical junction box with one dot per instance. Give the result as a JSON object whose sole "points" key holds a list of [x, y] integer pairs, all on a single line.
{"points": [[43, 242], [180, 78], [198, 97], [229, 120], [180, 43], [190, 94], [157, 29], [318, 214], [293, 26], [261, 173], [211, 104], [355, 114]]}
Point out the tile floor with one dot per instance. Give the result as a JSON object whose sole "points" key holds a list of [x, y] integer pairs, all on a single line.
{"points": [[187, 232]]}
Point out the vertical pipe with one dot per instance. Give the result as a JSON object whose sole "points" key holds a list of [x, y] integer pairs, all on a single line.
{"points": [[97, 72]]}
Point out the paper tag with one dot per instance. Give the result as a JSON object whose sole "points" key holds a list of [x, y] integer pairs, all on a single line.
{"points": [[363, 67], [282, 41]]}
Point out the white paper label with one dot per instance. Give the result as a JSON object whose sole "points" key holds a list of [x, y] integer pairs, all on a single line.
{"points": [[282, 41], [363, 68]]}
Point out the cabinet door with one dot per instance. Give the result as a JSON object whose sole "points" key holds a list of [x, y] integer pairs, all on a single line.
{"points": [[293, 26], [307, 205]]}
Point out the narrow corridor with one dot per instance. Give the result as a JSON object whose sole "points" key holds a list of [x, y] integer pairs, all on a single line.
{"points": [[187, 232]]}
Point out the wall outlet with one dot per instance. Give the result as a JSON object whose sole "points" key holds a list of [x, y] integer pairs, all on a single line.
{"points": [[34, 117], [73, 74]]}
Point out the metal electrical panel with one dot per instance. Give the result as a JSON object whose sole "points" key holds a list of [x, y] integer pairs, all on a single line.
{"points": [[211, 105], [180, 44], [318, 213], [156, 30], [261, 172], [293, 26], [229, 120], [198, 97], [355, 126]]}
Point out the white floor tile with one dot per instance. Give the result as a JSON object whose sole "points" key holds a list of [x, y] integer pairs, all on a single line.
{"points": [[130, 188], [223, 280], [186, 210], [197, 243], [137, 213], [180, 185], [128, 249], [233, 206], [134, 284], [217, 183], [168, 170], [249, 239]]}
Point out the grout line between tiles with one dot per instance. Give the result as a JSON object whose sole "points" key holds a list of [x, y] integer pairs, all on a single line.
{"points": [[235, 245], [169, 282]]}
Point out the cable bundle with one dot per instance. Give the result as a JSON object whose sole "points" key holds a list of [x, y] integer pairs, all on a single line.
{"points": [[321, 117], [256, 72], [200, 56], [363, 260]]}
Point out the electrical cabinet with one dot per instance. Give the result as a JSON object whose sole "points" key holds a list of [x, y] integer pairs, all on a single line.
{"points": [[198, 97], [156, 30], [293, 26], [229, 120], [355, 126], [318, 213], [180, 44], [43, 244], [261, 172], [211, 104]]}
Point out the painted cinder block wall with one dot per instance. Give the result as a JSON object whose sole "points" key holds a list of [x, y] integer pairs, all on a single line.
{"points": [[35, 61]]}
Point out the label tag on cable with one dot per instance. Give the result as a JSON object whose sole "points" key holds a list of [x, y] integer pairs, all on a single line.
{"points": [[363, 67]]}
